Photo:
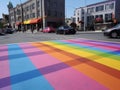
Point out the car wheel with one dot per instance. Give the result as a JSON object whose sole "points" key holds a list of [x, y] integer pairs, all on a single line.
{"points": [[64, 32], [113, 34], [56, 32]]}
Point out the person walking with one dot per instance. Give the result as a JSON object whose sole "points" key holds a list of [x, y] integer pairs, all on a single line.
{"points": [[32, 29]]}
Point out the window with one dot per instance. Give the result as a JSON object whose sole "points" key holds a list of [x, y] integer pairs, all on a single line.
{"points": [[48, 3], [33, 6], [99, 18], [82, 18], [38, 13], [33, 15], [90, 19], [90, 10], [27, 17], [38, 3], [112, 6], [108, 17], [27, 8], [82, 11], [54, 4], [18, 11], [109, 6], [99, 8], [78, 19]]}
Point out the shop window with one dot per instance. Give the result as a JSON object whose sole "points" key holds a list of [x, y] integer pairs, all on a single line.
{"points": [[108, 17], [99, 19]]}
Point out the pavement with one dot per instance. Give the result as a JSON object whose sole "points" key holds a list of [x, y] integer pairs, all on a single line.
{"points": [[84, 32], [73, 64]]}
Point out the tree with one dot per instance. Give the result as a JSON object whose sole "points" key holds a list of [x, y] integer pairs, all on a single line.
{"points": [[1, 25], [74, 25]]}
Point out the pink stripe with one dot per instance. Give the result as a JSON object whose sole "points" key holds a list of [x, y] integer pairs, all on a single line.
{"points": [[4, 68], [106, 45], [92, 44], [4, 64], [60, 75]]}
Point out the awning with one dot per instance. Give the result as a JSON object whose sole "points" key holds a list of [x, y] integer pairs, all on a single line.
{"points": [[35, 20], [27, 22], [18, 23]]}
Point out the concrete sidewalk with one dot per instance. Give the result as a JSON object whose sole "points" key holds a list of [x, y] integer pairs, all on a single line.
{"points": [[88, 32]]}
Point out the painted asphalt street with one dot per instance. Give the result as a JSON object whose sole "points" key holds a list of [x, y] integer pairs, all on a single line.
{"points": [[69, 64]]}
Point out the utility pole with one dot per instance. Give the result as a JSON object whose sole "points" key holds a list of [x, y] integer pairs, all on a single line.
{"points": [[85, 12], [22, 16], [43, 13]]}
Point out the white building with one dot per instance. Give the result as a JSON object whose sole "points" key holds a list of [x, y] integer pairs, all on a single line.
{"points": [[99, 15]]}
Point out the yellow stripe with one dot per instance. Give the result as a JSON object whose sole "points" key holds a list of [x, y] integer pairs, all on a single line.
{"points": [[105, 79], [91, 56]]}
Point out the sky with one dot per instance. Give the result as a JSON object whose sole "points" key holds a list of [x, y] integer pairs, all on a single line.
{"points": [[70, 5]]}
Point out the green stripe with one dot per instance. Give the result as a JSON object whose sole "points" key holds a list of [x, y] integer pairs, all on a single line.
{"points": [[99, 53]]}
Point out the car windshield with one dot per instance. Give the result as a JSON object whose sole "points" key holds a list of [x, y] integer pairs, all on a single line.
{"points": [[118, 25], [66, 27]]}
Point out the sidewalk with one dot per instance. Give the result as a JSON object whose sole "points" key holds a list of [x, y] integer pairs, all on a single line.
{"points": [[88, 32], [83, 32]]}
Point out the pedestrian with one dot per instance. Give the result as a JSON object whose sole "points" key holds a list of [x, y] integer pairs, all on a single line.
{"points": [[38, 29], [23, 29], [32, 29]]}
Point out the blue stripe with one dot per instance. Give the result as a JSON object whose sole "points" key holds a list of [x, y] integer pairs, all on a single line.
{"points": [[24, 75], [76, 45]]}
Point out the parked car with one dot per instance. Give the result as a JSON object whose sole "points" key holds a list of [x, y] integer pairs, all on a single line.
{"points": [[9, 31], [1, 32], [49, 30], [65, 30], [113, 32]]}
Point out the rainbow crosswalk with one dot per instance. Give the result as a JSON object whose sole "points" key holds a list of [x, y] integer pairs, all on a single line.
{"points": [[75, 64]]}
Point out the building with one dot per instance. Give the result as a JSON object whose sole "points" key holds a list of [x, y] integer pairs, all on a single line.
{"points": [[98, 16], [37, 13], [4, 21]]}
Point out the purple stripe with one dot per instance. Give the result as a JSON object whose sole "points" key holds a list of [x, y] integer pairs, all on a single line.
{"points": [[4, 69], [103, 43], [62, 76]]}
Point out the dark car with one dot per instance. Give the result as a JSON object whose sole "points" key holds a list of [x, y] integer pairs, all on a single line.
{"points": [[9, 31], [65, 30], [1, 32], [113, 32]]}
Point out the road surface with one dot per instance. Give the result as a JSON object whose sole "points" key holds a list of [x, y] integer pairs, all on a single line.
{"points": [[73, 64]]}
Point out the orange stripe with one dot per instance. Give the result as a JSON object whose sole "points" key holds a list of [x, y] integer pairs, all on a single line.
{"points": [[85, 66]]}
